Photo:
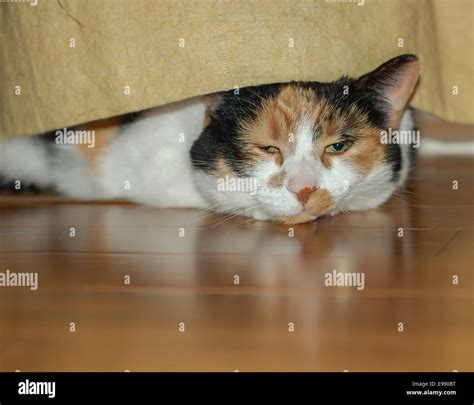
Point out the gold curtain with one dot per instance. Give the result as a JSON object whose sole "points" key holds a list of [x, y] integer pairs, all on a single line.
{"points": [[67, 62]]}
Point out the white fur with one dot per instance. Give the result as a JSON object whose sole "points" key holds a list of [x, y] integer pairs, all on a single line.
{"points": [[25, 158], [31, 160], [147, 163]]}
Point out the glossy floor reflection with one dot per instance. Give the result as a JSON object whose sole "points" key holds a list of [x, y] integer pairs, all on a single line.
{"points": [[280, 316]]}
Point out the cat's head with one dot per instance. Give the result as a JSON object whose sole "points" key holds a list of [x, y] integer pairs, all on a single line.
{"points": [[291, 152]]}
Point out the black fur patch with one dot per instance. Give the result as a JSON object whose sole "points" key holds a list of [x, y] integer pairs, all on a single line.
{"points": [[9, 186], [221, 139], [131, 117], [394, 157]]}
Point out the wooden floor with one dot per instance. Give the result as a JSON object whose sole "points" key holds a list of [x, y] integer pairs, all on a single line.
{"points": [[189, 279]]}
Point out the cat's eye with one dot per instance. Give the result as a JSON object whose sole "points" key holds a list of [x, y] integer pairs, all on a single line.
{"points": [[339, 147], [270, 149]]}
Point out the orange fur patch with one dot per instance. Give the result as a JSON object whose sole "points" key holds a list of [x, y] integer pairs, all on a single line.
{"points": [[295, 219], [304, 194], [367, 151], [223, 169], [276, 122], [105, 130], [277, 180], [319, 202]]}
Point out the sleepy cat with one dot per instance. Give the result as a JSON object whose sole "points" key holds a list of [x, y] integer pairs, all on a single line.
{"points": [[286, 152]]}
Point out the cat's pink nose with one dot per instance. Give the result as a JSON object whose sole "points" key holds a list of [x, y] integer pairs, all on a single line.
{"points": [[303, 187]]}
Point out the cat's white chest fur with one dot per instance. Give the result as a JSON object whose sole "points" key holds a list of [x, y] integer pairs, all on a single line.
{"points": [[149, 160]]}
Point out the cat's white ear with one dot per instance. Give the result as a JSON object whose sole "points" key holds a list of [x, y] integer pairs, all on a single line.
{"points": [[394, 81]]}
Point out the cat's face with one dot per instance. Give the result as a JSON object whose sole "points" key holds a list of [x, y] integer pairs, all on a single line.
{"points": [[295, 151]]}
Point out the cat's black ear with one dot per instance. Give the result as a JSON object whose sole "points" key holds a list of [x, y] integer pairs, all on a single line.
{"points": [[393, 83], [211, 101]]}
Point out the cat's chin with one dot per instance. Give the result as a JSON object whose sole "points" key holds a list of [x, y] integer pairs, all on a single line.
{"points": [[296, 219], [301, 218]]}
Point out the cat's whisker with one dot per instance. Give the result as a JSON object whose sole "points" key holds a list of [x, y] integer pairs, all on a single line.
{"points": [[211, 210], [401, 196], [409, 192], [227, 218], [248, 219], [245, 222], [200, 213], [239, 212]]}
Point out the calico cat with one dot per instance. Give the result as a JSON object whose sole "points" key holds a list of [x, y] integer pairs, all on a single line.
{"points": [[286, 152]]}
